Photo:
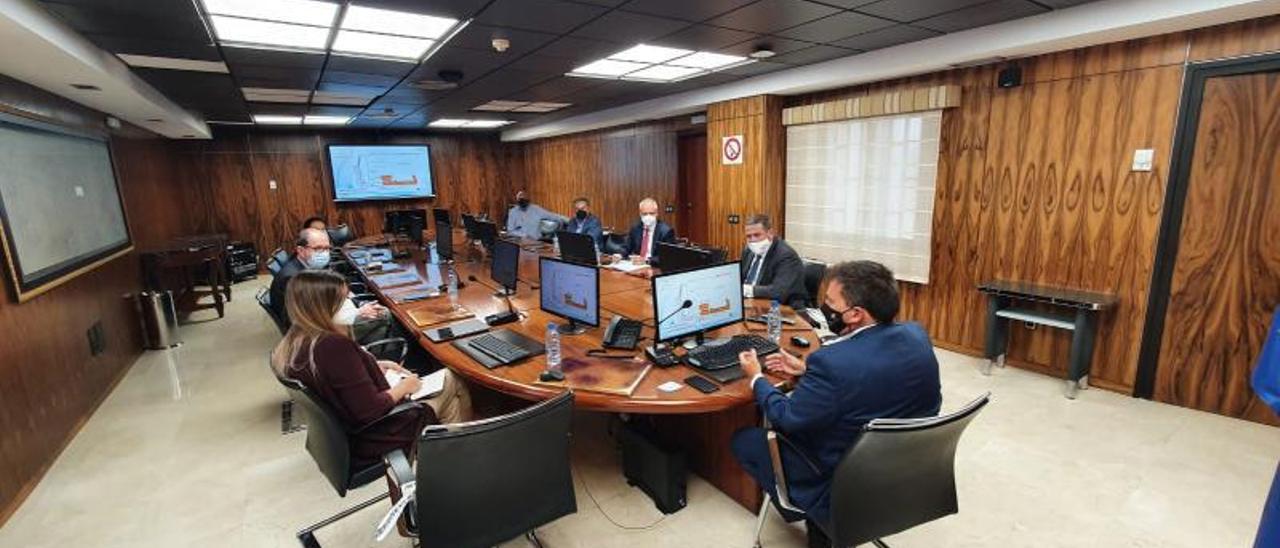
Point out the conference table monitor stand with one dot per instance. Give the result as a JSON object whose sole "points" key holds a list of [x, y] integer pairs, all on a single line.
{"points": [[571, 328]]}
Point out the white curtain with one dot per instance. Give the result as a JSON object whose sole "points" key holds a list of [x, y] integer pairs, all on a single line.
{"points": [[863, 189]]}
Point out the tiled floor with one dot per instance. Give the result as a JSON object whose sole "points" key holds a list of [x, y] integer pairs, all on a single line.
{"points": [[187, 452]]}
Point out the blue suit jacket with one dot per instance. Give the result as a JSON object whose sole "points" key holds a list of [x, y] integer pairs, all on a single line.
{"points": [[885, 371], [590, 226]]}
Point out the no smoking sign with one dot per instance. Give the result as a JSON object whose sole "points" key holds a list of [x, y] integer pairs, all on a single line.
{"points": [[731, 150]]}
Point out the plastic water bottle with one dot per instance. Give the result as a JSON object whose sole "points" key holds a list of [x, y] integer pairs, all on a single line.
{"points": [[553, 347], [775, 321], [453, 286], [555, 241]]}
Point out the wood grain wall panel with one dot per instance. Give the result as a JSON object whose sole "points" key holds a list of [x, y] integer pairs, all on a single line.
{"points": [[754, 186], [1260, 35], [615, 169], [1226, 278], [153, 186], [49, 382]]}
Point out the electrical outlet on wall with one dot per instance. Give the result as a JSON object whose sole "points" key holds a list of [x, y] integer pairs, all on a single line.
{"points": [[734, 219], [271, 184], [670, 209], [97, 339]]}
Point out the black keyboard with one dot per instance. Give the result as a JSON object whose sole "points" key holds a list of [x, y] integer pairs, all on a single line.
{"points": [[721, 356], [498, 349]]}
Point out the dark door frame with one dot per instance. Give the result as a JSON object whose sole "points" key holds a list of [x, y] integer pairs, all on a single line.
{"points": [[1175, 198]]}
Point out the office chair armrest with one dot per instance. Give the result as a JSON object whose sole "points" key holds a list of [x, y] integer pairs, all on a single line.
{"points": [[404, 347], [400, 473], [358, 287], [779, 475], [399, 409]]}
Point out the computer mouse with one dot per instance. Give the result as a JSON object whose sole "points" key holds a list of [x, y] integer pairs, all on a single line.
{"points": [[797, 340]]}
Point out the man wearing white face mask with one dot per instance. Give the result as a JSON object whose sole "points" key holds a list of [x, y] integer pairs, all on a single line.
{"points": [[771, 269], [645, 234], [312, 252]]}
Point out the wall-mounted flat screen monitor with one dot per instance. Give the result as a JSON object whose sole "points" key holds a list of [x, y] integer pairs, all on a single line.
{"points": [[380, 172]]}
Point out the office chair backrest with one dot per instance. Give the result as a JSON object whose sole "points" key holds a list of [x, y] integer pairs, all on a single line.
{"points": [[615, 243], [899, 474], [813, 274], [277, 260], [548, 228], [340, 235], [326, 436], [264, 300], [489, 481]]}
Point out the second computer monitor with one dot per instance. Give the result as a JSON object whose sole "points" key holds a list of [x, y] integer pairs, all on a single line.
{"points": [[696, 301], [678, 258], [577, 248], [571, 291], [469, 225], [409, 222], [441, 215], [486, 232], [444, 241], [505, 269]]}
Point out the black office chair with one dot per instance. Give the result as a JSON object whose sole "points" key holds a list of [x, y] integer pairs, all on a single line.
{"points": [[276, 261], [340, 235], [485, 482], [814, 271], [264, 300], [900, 473], [329, 445], [547, 228], [615, 243], [392, 348]]}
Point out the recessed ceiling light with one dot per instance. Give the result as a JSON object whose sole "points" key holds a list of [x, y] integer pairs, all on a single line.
{"points": [[662, 73], [302, 12], [172, 63], [464, 123], [267, 33], [277, 119], [396, 22], [323, 120], [381, 45], [338, 98], [541, 107], [487, 123], [607, 68], [707, 60], [448, 122], [762, 52], [644, 53], [519, 106], [272, 95]]}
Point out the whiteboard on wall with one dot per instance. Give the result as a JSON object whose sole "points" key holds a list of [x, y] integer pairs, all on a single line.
{"points": [[60, 205]]}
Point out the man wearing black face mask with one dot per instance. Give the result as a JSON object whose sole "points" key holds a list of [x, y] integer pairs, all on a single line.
{"points": [[523, 219], [583, 222], [877, 368]]}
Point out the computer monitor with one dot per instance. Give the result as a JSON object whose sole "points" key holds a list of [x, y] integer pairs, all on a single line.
{"points": [[571, 291], [469, 225], [441, 215], [409, 222], [678, 258], [696, 301], [486, 233], [505, 268], [444, 241], [577, 248]]}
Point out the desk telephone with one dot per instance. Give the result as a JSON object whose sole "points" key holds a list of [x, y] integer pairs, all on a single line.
{"points": [[622, 333]]}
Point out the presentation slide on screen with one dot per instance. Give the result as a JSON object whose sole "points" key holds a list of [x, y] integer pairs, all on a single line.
{"points": [[716, 294], [569, 290], [380, 172]]}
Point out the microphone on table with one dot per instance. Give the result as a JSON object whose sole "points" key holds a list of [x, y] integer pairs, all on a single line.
{"points": [[502, 317], [686, 304]]}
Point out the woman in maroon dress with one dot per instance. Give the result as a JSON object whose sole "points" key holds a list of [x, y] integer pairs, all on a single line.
{"points": [[324, 358]]}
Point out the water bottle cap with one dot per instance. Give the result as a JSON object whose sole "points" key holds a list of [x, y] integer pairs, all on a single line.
{"points": [[551, 325]]}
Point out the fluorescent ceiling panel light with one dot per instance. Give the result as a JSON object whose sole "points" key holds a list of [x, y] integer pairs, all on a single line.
{"points": [[649, 54], [487, 123], [550, 105], [381, 45], [608, 67], [228, 123], [321, 120], [448, 122], [277, 119], [707, 60], [500, 106], [172, 63], [252, 32], [662, 73], [270, 95], [302, 12], [335, 98], [396, 22]]}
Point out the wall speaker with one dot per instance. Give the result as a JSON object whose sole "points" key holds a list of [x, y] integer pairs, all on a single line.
{"points": [[1010, 77]]}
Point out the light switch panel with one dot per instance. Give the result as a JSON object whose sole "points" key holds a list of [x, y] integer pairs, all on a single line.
{"points": [[1143, 158]]}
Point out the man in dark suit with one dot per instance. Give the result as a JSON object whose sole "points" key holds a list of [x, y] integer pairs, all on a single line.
{"points": [[646, 233], [771, 269], [583, 222], [877, 368], [369, 322]]}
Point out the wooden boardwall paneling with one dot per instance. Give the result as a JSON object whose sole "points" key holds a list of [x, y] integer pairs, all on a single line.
{"points": [[615, 169], [49, 383], [1235, 39], [1226, 278], [754, 186], [225, 182]]}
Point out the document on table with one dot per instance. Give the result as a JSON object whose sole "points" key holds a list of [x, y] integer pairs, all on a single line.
{"points": [[627, 266], [395, 278], [431, 384]]}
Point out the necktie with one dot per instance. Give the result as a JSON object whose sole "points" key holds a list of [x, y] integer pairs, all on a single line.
{"points": [[644, 245], [753, 271]]}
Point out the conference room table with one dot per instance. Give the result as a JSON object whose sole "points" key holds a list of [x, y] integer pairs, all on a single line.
{"points": [[701, 424]]}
